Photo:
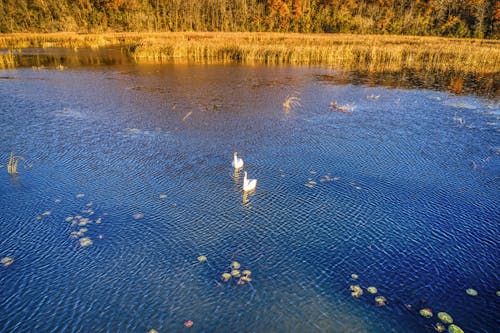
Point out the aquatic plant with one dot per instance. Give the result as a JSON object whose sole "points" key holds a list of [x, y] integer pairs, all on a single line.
{"points": [[235, 265], [12, 164], [438, 327], [372, 290], [356, 291], [471, 292], [7, 261], [380, 301], [445, 318], [426, 313], [225, 277], [85, 241], [202, 258], [235, 273], [247, 272], [454, 329], [353, 276]]}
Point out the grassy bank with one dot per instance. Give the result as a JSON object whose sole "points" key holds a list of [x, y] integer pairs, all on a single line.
{"points": [[372, 53]]}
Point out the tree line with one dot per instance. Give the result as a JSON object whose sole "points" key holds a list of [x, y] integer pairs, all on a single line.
{"points": [[453, 18]]}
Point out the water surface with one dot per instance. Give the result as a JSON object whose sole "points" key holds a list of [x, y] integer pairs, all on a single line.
{"points": [[403, 191]]}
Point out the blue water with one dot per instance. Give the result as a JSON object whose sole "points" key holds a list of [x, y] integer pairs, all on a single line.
{"points": [[403, 192]]}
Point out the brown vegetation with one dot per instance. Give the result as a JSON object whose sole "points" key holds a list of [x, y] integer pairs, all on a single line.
{"points": [[373, 53]]}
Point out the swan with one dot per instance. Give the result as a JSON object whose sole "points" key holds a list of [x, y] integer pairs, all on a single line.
{"points": [[237, 162], [249, 184]]}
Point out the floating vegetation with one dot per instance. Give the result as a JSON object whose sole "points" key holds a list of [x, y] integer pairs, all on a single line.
{"points": [[426, 313], [445, 318], [454, 329], [439, 327], [235, 273], [342, 108], [225, 277], [188, 323], [380, 301], [247, 272], [372, 290], [354, 276], [235, 265], [7, 261], [246, 278], [85, 241], [290, 102], [138, 216], [202, 258], [471, 292], [356, 291]]}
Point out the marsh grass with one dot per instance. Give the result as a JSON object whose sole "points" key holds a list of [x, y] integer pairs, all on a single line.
{"points": [[372, 53], [12, 164]]}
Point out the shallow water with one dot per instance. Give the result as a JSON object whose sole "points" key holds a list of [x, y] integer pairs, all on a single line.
{"points": [[410, 203]]}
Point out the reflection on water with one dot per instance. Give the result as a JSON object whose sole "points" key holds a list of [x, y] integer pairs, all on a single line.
{"points": [[457, 83], [402, 192]]}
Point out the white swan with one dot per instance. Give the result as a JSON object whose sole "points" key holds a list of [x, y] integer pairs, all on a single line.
{"points": [[237, 162], [249, 184]]}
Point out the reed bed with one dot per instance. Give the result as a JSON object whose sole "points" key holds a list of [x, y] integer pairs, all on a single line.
{"points": [[373, 53]]}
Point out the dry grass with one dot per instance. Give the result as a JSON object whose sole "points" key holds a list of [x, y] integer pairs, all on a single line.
{"points": [[12, 164], [372, 53]]}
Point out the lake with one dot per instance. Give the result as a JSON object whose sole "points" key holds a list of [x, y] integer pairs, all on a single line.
{"points": [[401, 190]]}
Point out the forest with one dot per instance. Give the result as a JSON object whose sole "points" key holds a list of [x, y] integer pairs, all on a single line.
{"points": [[450, 18]]}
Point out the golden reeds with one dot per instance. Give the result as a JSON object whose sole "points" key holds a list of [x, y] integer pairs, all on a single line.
{"points": [[12, 164], [373, 53]]}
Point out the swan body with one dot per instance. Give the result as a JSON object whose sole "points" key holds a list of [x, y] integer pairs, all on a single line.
{"points": [[249, 184], [237, 162]]}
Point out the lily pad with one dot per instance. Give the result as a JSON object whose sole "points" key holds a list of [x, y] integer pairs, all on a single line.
{"points": [[471, 292], [225, 276], [85, 241], [380, 301], [235, 273], [454, 329], [235, 265], [372, 290], [7, 261], [445, 318], [356, 291], [247, 272], [426, 313], [439, 327], [246, 278], [202, 258]]}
